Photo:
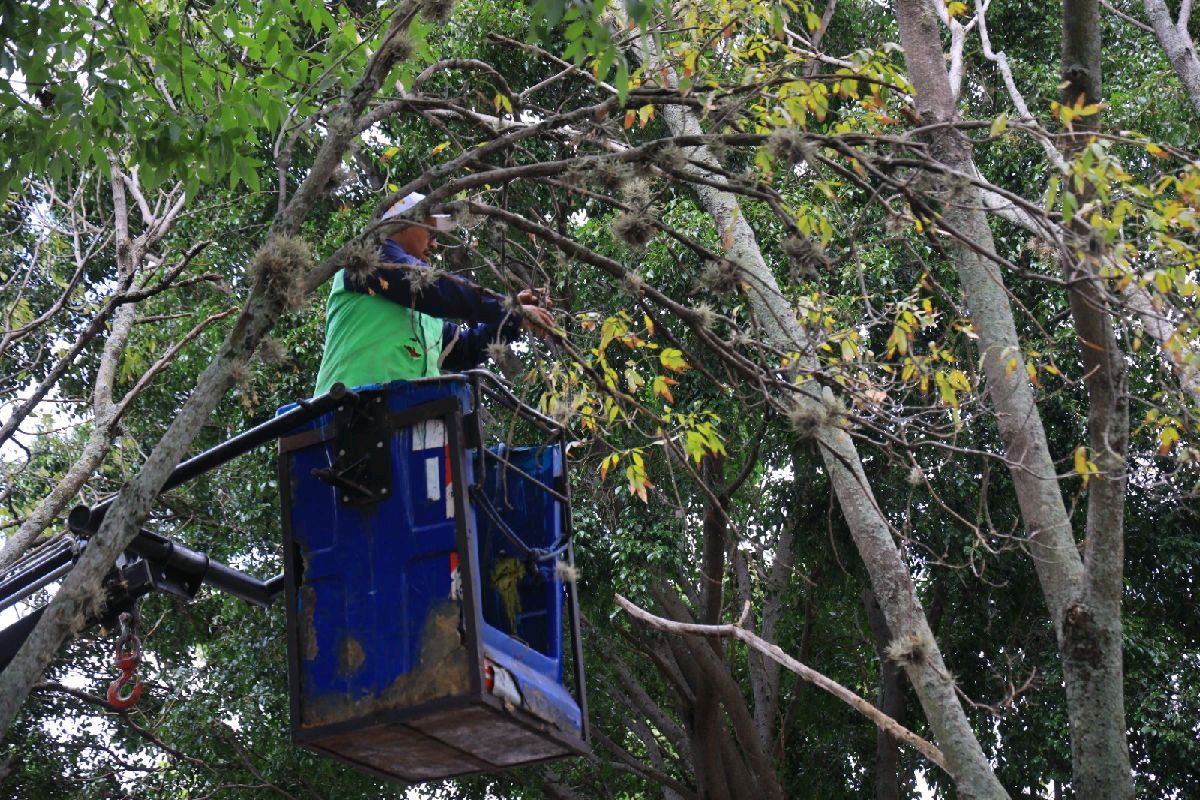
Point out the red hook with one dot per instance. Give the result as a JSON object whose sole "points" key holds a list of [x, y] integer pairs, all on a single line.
{"points": [[128, 654], [115, 700]]}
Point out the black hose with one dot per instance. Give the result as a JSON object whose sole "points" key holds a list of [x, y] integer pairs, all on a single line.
{"points": [[535, 554]]}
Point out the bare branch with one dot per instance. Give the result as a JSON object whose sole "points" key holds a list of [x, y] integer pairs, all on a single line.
{"points": [[1137, 23], [166, 358], [806, 673]]}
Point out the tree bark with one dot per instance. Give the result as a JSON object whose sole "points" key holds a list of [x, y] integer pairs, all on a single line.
{"points": [[805, 673], [716, 523], [1092, 653], [1179, 47], [713, 676], [889, 783], [1088, 631]]}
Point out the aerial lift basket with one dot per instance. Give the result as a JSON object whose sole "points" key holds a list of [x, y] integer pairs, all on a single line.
{"points": [[426, 575]]}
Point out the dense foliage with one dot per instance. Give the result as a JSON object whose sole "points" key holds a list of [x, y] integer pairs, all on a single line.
{"points": [[756, 244]]}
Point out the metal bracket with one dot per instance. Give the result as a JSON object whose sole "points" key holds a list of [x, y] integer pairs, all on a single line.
{"points": [[362, 467], [144, 576]]}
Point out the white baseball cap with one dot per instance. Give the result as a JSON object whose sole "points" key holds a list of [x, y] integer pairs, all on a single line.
{"points": [[443, 222]]}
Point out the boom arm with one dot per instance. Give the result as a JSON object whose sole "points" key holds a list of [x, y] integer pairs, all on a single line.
{"points": [[152, 562]]}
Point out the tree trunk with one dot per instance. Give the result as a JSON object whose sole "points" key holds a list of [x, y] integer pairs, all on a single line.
{"points": [[890, 579], [889, 781], [1091, 643], [1179, 47], [1087, 624]]}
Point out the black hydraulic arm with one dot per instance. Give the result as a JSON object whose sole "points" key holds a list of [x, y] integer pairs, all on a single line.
{"points": [[85, 521], [39, 568], [157, 564], [192, 565], [153, 562], [12, 637]]}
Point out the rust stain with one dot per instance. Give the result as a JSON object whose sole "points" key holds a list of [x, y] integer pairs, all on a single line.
{"points": [[308, 633], [350, 656], [441, 671]]}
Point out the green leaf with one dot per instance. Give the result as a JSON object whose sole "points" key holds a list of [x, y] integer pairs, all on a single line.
{"points": [[1069, 206], [1052, 191]]}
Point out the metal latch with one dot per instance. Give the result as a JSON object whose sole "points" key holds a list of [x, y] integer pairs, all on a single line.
{"points": [[362, 467]]}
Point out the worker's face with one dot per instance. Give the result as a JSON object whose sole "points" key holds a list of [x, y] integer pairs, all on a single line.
{"points": [[416, 241]]}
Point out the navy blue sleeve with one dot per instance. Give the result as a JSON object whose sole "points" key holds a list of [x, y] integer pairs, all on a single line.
{"points": [[468, 344], [445, 297]]}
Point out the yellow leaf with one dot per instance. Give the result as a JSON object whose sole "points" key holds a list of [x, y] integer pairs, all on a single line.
{"points": [[945, 390], [645, 114], [608, 463], [633, 380], [389, 154], [1156, 151], [998, 125], [689, 65], [672, 359], [661, 388], [1166, 438], [635, 473], [439, 148], [1081, 464]]}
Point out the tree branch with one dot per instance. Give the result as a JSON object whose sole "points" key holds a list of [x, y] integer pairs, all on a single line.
{"points": [[806, 673], [1178, 45]]}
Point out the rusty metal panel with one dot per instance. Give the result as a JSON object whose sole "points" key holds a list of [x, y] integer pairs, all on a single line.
{"points": [[441, 671], [399, 752], [489, 736]]}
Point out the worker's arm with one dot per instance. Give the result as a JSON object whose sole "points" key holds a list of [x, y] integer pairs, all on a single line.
{"points": [[444, 297], [466, 346]]}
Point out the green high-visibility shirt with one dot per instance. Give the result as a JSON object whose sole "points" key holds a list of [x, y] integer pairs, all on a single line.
{"points": [[371, 339]]}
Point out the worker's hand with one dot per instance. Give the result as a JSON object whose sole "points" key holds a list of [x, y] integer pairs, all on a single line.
{"points": [[537, 321], [535, 297]]}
